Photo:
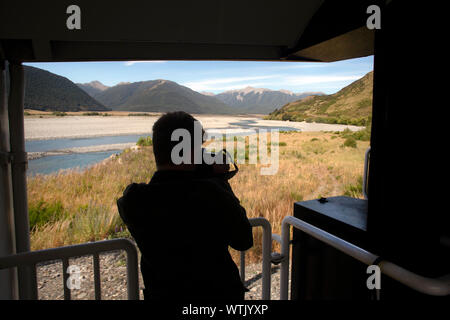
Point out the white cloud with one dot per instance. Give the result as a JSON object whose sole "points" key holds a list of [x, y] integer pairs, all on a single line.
{"points": [[230, 83], [306, 80], [130, 63], [271, 81]]}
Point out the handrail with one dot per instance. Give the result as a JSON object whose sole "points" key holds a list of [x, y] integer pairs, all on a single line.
{"points": [[92, 248], [430, 286], [266, 255], [366, 173]]}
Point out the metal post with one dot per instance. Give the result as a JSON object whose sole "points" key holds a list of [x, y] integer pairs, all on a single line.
{"points": [[27, 289], [366, 174], [242, 269], [284, 268], [431, 286], [266, 253], [8, 278]]}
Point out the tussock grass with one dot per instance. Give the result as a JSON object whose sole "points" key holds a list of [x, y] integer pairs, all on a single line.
{"points": [[312, 165]]}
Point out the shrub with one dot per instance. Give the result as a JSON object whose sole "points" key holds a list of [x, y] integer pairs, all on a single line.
{"points": [[139, 115], [354, 190], [59, 113], [350, 142], [43, 212], [297, 154], [91, 114], [362, 135], [144, 141]]}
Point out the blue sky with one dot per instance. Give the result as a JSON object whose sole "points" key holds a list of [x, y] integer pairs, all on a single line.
{"points": [[219, 76]]}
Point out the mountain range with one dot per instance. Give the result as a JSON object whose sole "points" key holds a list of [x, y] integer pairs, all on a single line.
{"points": [[350, 105], [47, 91], [155, 96], [164, 95], [260, 100], [92, 88]]}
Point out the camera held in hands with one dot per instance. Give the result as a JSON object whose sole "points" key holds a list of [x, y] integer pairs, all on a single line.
{"points": [[217, 164]]}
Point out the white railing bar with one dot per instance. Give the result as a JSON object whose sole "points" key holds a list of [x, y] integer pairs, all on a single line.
{"points": [[430, 286], [64, 253]]}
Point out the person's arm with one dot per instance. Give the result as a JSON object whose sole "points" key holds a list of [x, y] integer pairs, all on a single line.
{"points": [[241, 236], [238, 228], [128, 204]]}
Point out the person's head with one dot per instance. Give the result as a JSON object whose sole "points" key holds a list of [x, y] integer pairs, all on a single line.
{"points": [[162, 136]]}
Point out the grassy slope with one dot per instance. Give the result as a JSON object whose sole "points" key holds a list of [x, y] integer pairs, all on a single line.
{"points": [[312, 164], [351, 105]]}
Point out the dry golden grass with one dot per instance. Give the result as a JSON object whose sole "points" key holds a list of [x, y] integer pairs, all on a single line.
{"points": [[307, 170]]}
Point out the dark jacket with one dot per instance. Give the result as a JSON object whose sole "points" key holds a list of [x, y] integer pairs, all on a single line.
{"points": [[183, 226]]}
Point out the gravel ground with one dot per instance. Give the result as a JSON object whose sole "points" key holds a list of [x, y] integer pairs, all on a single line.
{"points": [[114, 282], [83, 127]]}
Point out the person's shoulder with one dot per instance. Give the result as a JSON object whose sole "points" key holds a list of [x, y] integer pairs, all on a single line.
{"points": [[216, 187], [135, 188]]}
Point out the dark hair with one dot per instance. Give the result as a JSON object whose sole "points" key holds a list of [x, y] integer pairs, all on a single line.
{"points": [[162, 133]]}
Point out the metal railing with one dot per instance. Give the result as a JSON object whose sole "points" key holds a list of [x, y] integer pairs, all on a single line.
{"points": [[365, 184], [266, 255], [430, 286], [30, 259]]}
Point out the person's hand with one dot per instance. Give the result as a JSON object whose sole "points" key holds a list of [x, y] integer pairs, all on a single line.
{"points": [[221, 168]]}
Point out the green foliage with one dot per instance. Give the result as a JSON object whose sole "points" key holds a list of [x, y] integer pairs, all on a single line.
{"points": [[59, 114], [354, 190], [43, 212], [296, 196], [365, 103], [297, 154], [351, 106], [350, 142], [144, 141], [91, 114], [139, 115], [362, 135]]}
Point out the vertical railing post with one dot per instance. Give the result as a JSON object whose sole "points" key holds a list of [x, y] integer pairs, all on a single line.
{"points": [[284, 268], [8, 277], [242, 268], [366, 174], [132, 272], [27, 289], [266, 254]]}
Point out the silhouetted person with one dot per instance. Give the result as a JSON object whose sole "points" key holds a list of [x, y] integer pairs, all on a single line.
{"points": [[183, 222]]}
